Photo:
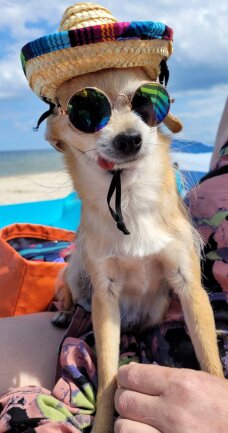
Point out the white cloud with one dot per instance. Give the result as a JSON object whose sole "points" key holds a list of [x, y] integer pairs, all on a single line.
{"points": [[12, 80], [207, 102], [200, 111], [22, 22], [200, 26], [15, 16]]}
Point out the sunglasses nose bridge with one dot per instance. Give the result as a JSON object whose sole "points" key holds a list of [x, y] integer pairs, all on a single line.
{"points": [[121, 100]]}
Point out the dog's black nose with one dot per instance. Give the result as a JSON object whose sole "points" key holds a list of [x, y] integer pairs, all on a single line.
{"points": [[128, 142]]}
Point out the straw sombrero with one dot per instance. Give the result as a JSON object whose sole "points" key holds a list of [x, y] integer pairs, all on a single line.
{"points": [[90, 39]]}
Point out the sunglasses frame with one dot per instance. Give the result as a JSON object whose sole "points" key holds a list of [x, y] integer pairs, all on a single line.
{"points": [[63, 112]]}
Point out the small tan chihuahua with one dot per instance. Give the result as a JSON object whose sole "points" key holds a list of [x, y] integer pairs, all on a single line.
{"points": [[130, 274]]}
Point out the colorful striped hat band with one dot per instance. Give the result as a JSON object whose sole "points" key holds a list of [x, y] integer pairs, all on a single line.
{"points": [[90, 39]]}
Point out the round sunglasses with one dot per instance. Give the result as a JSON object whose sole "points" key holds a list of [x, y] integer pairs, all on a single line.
{"points": [[89, 109]]}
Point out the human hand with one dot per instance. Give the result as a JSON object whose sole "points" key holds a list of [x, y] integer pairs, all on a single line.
{"points": [[154, 399]]}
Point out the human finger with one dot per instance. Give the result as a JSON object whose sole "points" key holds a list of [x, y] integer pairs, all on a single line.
{"points": [[138, 407], [128, 426], [147, 379]]}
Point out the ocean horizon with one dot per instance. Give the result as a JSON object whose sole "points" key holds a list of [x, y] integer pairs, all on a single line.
{"points": [[19, 162], [190, 155]]}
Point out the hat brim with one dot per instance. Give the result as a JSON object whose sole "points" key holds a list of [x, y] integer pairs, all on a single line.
{"points": [[53, 59]]}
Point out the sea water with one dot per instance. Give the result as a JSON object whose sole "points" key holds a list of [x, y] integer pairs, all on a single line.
{"points": [[21, 162]]}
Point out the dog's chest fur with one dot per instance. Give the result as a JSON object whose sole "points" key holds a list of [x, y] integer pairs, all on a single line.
{"points": [[126, 264], [143, 291], [138, 281]]}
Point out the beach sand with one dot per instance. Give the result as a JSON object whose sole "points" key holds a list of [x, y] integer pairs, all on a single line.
{"points": [[34, 187]]}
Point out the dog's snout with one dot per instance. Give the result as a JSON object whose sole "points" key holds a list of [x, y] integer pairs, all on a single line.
{"points": [[128, 142]]}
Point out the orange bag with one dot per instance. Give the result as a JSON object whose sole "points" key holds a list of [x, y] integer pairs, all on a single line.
{"points": [[27, 286]]}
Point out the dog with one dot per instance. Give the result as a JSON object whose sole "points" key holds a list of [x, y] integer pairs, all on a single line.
{"points": [[128, 278]]}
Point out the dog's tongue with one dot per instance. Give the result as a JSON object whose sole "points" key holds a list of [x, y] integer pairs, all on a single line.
{"points": [[103, 163]]}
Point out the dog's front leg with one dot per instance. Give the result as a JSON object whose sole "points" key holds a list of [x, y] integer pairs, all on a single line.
{"points": [[106, 326], [184, 275]]}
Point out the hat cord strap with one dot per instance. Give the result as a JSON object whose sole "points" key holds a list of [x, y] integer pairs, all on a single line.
{"points": [[164, 73], [117, 214], [45, 114]]}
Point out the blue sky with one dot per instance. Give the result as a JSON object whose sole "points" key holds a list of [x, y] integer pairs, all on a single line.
{"points": [[198, 67]]}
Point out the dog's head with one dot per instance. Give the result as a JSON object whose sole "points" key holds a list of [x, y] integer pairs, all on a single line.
{"points": [[124, 141]]}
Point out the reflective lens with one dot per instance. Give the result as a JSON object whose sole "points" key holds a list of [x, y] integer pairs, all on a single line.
{"points": [[89, 110], [151, 101]]}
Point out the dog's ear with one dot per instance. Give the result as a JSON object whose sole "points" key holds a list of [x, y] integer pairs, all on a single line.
{"points": [[173, 123], [51, 134]]}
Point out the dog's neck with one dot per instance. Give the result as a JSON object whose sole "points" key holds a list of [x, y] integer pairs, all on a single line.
{"points": [[147, 196], [141, 184]]}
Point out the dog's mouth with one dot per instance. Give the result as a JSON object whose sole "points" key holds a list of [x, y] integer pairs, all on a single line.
{"points": [[105, 164], [115, 168], [109, 165]]}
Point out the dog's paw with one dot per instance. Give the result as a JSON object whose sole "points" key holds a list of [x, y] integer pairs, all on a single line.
{"points": [[62, 319]]}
